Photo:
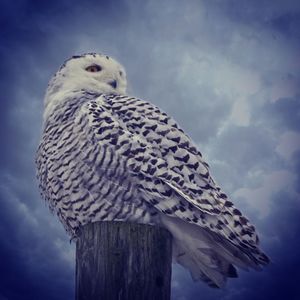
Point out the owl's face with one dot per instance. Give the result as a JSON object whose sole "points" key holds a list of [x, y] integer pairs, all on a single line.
{"points": [[91, 72]]}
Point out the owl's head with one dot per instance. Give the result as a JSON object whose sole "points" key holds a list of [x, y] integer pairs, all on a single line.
{"points": [[91, 72]]}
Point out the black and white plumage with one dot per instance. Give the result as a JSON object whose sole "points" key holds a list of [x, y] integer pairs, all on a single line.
{"points": [[108, 156]]}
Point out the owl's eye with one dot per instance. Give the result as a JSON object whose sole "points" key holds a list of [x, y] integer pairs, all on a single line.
{"points": [[93, 68]]}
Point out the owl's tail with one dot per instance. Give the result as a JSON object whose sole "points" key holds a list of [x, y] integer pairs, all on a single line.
{"points": [[207, 256]]}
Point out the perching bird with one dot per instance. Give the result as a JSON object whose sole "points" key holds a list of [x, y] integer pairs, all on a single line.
{"points": [[106, 156]]}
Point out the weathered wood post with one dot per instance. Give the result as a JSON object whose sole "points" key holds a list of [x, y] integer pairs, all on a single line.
{"points": [[124, 261]]}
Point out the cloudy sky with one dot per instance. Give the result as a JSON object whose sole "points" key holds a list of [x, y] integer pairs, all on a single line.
{"points": [[228, 71]]}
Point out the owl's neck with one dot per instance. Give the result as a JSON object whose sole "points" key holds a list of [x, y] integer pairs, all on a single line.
{"points": [[58, 100], [57, 95]]}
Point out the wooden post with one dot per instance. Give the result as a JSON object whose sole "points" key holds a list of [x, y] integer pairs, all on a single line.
{"points": [[123, 261]]}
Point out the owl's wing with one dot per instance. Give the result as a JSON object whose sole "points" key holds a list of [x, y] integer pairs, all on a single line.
{"points": [[167, 166], [158, 149], [179, 164]]}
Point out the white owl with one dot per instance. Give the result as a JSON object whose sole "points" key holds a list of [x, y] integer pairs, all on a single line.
{"points": [[106, 156]]}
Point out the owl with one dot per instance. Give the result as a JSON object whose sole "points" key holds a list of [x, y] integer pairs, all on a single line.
{"points": [[106, 156]]}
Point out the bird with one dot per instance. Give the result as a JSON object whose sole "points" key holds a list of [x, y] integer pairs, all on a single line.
{"points": [[108, 156]]}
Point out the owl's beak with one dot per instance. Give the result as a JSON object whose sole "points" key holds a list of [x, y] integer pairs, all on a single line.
{"points": [[113, 83]]}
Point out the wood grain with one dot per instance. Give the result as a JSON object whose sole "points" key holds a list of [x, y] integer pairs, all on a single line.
{"points": [[122, 260]]}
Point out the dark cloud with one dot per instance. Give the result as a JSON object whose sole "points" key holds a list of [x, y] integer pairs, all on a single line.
{"points": [[281, 16], [296, 168], [287, 24], [243, 147], [242, 150], [32, 265], [282, 244], [284, 114]]}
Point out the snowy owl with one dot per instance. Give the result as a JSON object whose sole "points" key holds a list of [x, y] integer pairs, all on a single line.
{"points": [[106, 156]]}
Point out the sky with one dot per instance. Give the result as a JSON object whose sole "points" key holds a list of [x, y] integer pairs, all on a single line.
{"points": [[227, 70]]}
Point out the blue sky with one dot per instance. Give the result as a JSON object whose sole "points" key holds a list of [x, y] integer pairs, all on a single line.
{"points": [[227, 71]]}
